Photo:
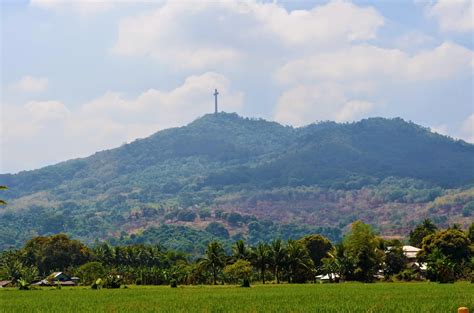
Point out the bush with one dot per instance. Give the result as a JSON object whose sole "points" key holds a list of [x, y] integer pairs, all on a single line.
{"points": [[186, 215], [90, 271], [217, 230], [113, 282], [407, 275]]}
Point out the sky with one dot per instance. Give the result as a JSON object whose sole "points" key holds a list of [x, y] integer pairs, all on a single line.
{"points": [[81, 76]]}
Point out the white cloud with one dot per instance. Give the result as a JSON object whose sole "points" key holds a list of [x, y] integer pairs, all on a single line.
{"points": [[467, 129], [365, 62], [453, 15], [302, 105], [206, 34], [414, 41], [107, 121], [80, 6], [353, 110], [30, 84]]}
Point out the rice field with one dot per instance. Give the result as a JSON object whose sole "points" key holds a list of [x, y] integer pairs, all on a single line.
{"points": [[348, 297]]}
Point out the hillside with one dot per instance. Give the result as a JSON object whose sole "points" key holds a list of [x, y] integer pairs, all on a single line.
{"points": [[253, 177]]}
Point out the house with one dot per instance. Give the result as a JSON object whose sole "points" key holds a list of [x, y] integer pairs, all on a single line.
{"points": [[57, 277], [328, 278], [411, 253]]}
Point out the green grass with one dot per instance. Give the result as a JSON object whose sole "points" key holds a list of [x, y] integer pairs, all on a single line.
{"points": [[349, 297]]}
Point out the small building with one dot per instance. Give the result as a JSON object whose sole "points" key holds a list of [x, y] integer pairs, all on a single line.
{"points": [[57, 278], [410, 253]]}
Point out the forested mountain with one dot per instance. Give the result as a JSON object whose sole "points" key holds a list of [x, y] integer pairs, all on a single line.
{"points": [[226, 176]]}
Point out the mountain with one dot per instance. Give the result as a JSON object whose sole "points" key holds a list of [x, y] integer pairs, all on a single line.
{"points": [[250, 177]]}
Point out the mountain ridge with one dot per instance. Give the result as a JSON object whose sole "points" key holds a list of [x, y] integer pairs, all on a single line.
{"points": [[219, 158]]}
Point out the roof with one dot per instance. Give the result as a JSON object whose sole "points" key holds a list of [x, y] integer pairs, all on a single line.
{"points": [[410, 251]]}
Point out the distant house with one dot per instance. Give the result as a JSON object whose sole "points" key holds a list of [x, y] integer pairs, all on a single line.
{"points": [[57, 277], [411, 253]]}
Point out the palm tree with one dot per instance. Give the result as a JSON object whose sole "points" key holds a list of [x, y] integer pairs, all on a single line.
{"points": [[260, 258], [297, 258], [240, 251], [277, 257], [3, 202], [214, 259]]}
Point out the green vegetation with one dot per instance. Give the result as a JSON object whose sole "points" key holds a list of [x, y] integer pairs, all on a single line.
{"points": [[361, 256], [351, 297], [259, 179]]}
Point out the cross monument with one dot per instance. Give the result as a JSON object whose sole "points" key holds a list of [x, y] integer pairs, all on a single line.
{"points": [[215, 101]]}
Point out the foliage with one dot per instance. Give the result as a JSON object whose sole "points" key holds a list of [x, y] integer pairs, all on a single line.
{"points": [[218, 230], [214, 259], [241, 270], [421, 231], [440, 267], [90, 272], [361, 245], [395, 261], [55, 253], [451, 243], [318, 247], [260, 256]]}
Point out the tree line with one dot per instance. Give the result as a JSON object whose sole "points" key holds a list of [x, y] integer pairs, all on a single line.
{"points": [[360, 256]]}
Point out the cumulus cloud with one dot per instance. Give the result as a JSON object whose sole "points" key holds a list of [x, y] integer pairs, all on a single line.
{"points": [[205, 34], [467, 129], [453, 15], [358, 71], [302, 105], [366, 62], [30, 84], [107, 121]]}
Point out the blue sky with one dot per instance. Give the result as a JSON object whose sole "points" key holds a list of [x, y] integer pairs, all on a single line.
{"points": [[83, 76]]}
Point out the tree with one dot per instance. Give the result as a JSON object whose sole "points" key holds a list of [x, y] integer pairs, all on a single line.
{"points": [[240, 251], [277, 257], [452, 243], [298, 260], [240, 270], [318, 247], [260, 258], [218, 230], [3, 202], [395, 261], [440, 267], [204, 213], [13, 268], [421, 231], [90, 272], [55, 253], [214, 259], [470, 232], [361, 245]]}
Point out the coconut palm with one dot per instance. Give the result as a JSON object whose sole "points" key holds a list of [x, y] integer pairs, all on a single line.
{"points": [[277, 257], [240, 251], [214, 259], [297, 258], [260, 258]]}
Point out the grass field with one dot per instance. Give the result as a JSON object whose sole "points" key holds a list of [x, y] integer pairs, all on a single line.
{"points": [[349, 297]]}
